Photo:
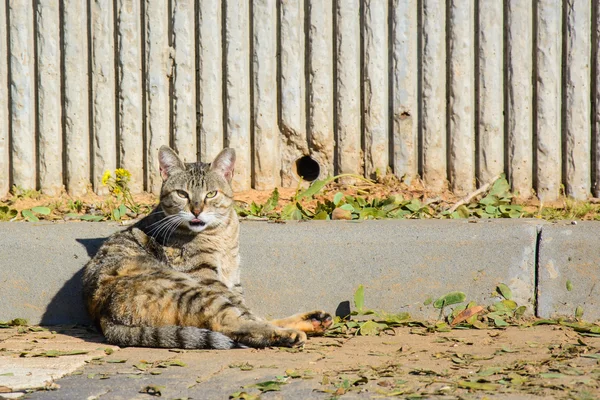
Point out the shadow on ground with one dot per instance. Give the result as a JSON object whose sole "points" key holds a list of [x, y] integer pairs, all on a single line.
{"points": [[67, 306]]}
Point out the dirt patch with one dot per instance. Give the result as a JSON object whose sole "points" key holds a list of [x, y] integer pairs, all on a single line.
{"points": [[516, 362]]}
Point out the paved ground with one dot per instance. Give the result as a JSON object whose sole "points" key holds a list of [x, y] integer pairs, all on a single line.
{"points": [[514, 363]]}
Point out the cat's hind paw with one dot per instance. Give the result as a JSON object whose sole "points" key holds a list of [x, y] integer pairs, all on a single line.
{"points": [[313, 322]]}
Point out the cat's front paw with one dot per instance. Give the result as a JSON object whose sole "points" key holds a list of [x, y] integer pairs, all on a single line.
{"points": [[289, 338]]}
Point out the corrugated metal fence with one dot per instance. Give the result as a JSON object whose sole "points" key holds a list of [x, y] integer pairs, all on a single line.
{"points": [[454, 91]]}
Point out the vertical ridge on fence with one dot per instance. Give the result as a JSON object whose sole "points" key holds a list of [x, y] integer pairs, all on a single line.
{"points": [[184, 76], [48, 86], [519, 121], [577, 98], [292, 86], [210, 93], [103, 91], [547, 96], [22, 95], [433, 85], [4, 105], [237, 94], [403, 83], [347, 86], [158, 71], [375, 82], [320, 83], [596, 99], [489, 87], [264, 83], [75, 86], [129, 91], [461, 95]]}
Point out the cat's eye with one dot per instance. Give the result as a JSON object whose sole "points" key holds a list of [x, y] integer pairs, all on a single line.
{"points": [[182, 194], [211, 194]]}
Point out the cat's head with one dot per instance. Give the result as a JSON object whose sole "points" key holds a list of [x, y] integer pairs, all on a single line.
{"points": [[196, 195]]}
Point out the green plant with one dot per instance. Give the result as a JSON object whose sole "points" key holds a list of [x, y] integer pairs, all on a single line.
{"points": [[122, 200], [32, 215], [75, 205], [7, 213], [254, 210], [496, 204], [22, 193]]}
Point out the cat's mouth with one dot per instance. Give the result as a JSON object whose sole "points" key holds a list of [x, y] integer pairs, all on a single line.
{"points": [[197, 222]]}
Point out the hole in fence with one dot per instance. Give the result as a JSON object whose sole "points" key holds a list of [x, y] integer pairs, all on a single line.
{"points": [[307, 168]]}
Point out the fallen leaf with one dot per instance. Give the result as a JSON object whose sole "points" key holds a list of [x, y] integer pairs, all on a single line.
{"points": [[152, 390], [466, 314], [478, 385]]}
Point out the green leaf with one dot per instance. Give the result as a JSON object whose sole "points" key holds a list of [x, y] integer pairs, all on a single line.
{"points": [[272, 202], [29, 216], [449, 299], [359, 298], [509, 304], [500, 187], [41, 210], [579, 312], [552, 375], [89, 217], [520, 311], [504, 291], [268, 386], [322, 215], [370, 328], [337, 198], [569, 285], [122, 210], [347, 207]]}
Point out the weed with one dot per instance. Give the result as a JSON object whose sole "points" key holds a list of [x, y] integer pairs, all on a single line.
{"points": [[21, 193], [122, 200]]}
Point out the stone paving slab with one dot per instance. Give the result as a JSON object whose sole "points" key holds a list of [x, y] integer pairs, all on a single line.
{"points": [[410, 362], [569, 253], [292, 267], [34, 360]]}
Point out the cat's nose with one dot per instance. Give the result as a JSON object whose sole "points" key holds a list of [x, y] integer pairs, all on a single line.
{"points": [[196, 211]]}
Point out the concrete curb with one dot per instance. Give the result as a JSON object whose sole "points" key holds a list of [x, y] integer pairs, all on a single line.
{"points": [[298, 266]]}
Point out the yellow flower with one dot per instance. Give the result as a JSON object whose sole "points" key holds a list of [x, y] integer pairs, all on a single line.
{"points": [[116, 190], [105, 177], [122, 173]]}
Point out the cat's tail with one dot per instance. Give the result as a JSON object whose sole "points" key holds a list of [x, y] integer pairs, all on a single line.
{"points": [[181, 337]]}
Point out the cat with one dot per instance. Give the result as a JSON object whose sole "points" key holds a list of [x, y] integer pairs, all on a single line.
{"points": [[172, 280]]}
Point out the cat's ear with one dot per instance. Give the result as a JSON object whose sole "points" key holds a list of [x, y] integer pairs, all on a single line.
{"points": [[169, 162], [224, 163]]}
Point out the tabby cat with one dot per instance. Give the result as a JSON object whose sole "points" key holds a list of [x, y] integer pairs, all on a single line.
{"points": [[173, 280]]}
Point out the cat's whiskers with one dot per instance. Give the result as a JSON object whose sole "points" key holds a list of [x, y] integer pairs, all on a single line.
{"points": [[164, 225], [158, 225], [174, 225]]}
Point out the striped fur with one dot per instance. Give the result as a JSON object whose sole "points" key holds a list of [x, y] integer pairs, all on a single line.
{"points": [[172, 280]]}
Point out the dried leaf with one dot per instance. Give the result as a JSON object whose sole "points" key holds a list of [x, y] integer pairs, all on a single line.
{"points": [[466, 314]]}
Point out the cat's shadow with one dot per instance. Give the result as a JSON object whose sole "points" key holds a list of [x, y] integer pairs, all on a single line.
{"points": [[67, 306]]}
